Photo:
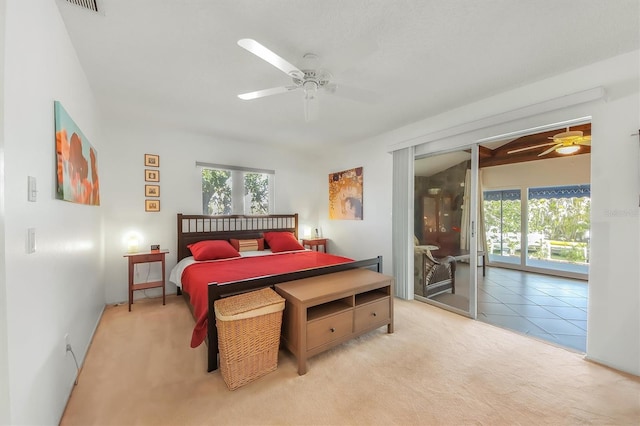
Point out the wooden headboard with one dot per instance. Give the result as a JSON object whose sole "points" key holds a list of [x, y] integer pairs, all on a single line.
{"points": [[194, 227]]}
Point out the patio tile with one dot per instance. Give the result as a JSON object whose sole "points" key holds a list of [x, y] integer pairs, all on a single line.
{"points": [[533, 311], [517, 323], [541, 334], [557, 326], [530, 292], [578, 302], [546, 301], [568, 312], [495, 309], [512, 299], [534, 304], [486, 297], [578, 343], [558, 292], [498, 290], [581, 324]]}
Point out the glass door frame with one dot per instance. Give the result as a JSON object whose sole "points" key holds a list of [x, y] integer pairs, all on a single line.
{"points": [[473, 231]]}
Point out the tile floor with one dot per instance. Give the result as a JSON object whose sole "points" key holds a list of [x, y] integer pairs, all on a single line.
{"points": [[547, 307]]}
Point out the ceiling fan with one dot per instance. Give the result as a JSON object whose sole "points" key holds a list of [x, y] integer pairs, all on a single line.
{"points": [[563, 143], [309, 80]]}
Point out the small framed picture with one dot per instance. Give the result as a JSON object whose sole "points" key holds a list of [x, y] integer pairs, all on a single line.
{"points": [[152, 175], [152, 190], [151, 160], [152, 205]]}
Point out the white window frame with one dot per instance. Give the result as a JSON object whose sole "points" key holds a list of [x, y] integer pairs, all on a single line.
{"points": [[238, 206]]}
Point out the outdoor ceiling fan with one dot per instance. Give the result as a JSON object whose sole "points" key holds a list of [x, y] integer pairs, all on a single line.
{"points": [[309, 79], [563, 143]]}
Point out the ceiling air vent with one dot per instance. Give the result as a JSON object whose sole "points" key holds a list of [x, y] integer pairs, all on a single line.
{"points": [[87, 4]]}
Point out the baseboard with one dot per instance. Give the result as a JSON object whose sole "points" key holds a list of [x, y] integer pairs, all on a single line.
{"points": [[72, 384]]}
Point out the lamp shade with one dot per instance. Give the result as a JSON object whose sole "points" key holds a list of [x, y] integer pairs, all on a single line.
{"points": [[133, 244]]}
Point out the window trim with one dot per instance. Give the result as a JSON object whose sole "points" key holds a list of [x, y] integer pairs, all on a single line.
{"points": [[235, 170]]}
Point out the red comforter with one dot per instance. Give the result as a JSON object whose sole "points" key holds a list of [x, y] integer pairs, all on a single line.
{"points": [[196, 277]]}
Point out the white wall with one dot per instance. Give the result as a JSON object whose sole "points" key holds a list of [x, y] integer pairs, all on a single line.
{"points": [[613, 336], [573, 170], [122, 180], [4, 344], [371, 236], [59, 288]]}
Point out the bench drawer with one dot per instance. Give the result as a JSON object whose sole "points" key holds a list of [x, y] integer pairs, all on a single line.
{"points": [[371, 314], [328, 329]]}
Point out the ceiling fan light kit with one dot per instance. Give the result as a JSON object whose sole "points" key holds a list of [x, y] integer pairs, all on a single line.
{"points": [[564, 143], [566, 150], [310, 89]]}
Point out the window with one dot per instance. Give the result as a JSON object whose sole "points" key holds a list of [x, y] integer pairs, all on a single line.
{"points": [[557, 227], [502, 216], [236, 190], [558, 221]]}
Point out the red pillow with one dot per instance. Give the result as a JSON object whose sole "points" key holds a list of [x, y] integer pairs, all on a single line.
{"points": [[282, 241], [256, 244], [212, 249]]}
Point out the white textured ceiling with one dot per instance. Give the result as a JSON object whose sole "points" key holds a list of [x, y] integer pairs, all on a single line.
{"points": [[176, 62]]}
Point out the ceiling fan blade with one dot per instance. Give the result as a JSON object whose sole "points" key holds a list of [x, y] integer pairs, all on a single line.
{"points": [[530, 147], [266, 92], [274, 59], [586, 141], [550, 149], [353, 93]]}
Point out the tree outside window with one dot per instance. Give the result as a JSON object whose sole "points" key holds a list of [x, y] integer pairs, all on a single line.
{"points": [[557, 224], [226, 192], [216, 191], [256, 187]]}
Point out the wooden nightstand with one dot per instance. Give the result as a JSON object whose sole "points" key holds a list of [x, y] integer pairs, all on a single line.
{"points": [[315, 244], [145, 257]]}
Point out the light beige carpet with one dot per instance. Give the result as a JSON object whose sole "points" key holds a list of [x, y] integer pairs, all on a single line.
{"points": [[437, 368]]}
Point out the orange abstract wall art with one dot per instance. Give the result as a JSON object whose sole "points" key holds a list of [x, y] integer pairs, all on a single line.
{"points": [[77, 163]]}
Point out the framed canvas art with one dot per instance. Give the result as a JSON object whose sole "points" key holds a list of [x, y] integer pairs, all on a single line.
{"points": [[345, 194], [77, 162]]}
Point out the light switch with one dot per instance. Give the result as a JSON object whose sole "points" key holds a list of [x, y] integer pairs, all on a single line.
{"points": [[31, 240], [31, 188]]}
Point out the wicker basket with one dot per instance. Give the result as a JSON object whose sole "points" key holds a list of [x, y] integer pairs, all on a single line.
{"points": [[248, 335]]}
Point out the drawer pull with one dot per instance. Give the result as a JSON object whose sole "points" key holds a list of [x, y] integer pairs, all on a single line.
{"points": [[333, 330], [374, 314]]}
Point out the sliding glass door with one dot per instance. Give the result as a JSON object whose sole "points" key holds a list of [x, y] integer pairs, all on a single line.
{"points": [[558, 227], [546, 228], [445, 218], [503, 222]]}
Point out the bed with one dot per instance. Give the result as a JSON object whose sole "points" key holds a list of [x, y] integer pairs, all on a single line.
{"points": [[209, 280]]}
